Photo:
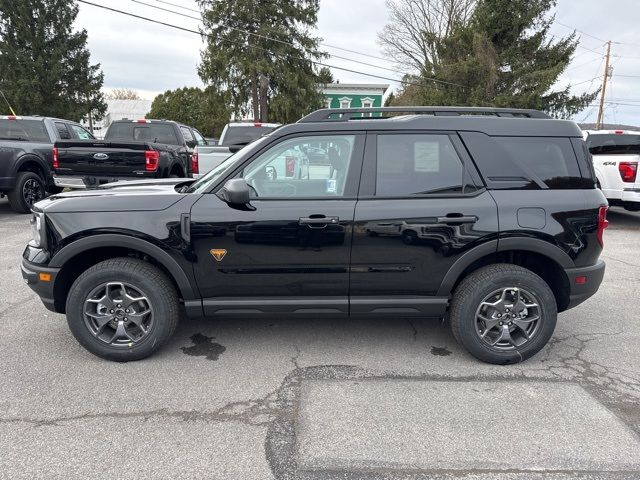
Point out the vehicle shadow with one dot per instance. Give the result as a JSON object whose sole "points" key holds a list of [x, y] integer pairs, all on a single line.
{"points": [[620, 218]]}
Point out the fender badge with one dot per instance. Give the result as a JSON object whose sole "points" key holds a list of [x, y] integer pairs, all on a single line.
{"points": [[218, 253]]}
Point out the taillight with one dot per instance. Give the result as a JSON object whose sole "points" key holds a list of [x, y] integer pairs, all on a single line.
{"points": [[195, 167], [56, 163], [602, 223], [290, 166], [628, 171], [151, 158]]}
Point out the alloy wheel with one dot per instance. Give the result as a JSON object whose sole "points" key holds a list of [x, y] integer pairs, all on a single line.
{"points": [[508, 318], [32, 191], [118, 314]]}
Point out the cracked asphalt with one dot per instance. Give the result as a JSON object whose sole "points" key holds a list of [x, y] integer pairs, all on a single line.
{"points": [[323, 399]]}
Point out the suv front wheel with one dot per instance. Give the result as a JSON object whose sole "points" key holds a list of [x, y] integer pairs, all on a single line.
{"points": [[122, 309], [503, 313]]}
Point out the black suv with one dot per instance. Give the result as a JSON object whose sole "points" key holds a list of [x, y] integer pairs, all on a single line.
{"points": [[489, 217]]}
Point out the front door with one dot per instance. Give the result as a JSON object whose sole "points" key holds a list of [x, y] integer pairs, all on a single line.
{"points": [[290, 254], [421, 207]]}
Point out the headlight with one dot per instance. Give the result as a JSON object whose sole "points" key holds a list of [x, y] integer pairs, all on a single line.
{"points": [[37, 229]]}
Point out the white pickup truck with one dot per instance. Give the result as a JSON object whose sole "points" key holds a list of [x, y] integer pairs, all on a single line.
{"points": [[234, 136], [616, 154]]}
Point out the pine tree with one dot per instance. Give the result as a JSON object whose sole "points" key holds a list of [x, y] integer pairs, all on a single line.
{"points": [[504, 58], [45, 67], [268, 75]]}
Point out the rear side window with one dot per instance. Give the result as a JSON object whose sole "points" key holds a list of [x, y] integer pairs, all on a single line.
{"points": [[199, 138], [31, 130], [143, 132], [188, 137], [63, 131], [414, 164], [525, 162], [608, 144]]}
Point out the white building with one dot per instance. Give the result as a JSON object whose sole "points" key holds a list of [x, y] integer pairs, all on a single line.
{"points": [[119, 110]]}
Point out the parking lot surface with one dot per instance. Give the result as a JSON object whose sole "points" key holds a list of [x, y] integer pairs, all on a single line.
{"points": [[323, 399]]}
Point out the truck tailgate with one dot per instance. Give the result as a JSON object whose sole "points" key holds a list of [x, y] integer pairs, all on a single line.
{"points": [[101, 158]]}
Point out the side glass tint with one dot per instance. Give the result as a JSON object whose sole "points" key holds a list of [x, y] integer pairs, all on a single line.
{"points": [[417, 164], [313, 166]]}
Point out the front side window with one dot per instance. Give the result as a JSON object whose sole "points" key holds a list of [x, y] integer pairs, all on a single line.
{"points": [[415, 164], [313, 166]]}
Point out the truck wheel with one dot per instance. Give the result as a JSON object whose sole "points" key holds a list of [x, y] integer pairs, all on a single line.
{"points": [[29, 189], [503, 314], [122, 309]]}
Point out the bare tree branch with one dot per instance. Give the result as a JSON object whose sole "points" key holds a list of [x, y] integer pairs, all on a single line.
{"points": [[416, 27]]}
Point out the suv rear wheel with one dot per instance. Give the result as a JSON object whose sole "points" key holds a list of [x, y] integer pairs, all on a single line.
{"points": [[503, 313], [29, 189], [122, 309]]}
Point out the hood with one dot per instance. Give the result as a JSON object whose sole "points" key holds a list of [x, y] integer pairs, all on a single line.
{"points": [[148, 182], [134, 197]]}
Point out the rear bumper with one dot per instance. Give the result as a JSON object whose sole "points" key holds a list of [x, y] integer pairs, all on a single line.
{"points": [[31, 275], [579, 292], [631, 195], [81, 182]]}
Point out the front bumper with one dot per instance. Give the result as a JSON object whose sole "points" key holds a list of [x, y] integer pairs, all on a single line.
{"points": [[31, 273], [579, 292]]}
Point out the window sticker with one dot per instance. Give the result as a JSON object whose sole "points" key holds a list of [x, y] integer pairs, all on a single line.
{"points": [[426, 156], [332, 185]]}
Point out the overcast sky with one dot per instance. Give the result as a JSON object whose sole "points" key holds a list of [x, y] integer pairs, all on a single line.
{"points": [[152, 58]]}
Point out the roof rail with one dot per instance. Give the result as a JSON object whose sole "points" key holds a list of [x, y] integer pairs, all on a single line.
{"points": [[346, 114]]}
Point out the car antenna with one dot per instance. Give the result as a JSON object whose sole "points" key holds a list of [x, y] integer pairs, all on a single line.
{"points": [[5, 99]]}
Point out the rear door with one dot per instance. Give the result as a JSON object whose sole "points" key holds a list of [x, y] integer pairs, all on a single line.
{"points": [[421, 206], [290, 253]]}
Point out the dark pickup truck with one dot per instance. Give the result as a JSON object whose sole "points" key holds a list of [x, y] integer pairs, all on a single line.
{"points": [[131, 149], [25, 156]]}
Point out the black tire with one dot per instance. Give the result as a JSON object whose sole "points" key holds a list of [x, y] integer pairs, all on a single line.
{"points": [[632, 206], [145, 278], [29, 189], [475, 289]]}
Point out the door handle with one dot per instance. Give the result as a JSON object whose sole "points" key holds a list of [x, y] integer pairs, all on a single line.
{"points": [[457, 219], [318, 221]]}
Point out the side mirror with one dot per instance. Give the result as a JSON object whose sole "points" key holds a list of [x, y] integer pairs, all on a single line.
{"points": [[236, 193]]}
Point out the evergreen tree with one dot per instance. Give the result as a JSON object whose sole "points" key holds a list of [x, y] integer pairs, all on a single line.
{"points": [[268, 75], [206, 110], [504, 58], [44, 65]]}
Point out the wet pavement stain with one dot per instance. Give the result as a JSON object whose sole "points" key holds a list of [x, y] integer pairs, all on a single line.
{"points": [[440, 351], [204, 347]]}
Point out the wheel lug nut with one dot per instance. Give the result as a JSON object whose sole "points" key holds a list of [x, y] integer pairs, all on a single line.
{"points": [[126, 310], [118, 305], [111, 311], [499, 315], [501, 323]]}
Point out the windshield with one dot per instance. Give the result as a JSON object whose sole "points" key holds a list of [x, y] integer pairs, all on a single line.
{"points": [[244, 134], [203, 184], [610, 144], [32, 130]]}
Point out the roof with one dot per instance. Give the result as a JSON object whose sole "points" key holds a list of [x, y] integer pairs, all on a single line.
{"points": [[496, 122]]}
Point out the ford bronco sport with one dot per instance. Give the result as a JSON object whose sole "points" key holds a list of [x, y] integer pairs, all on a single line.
{"points": [[489, 217]]}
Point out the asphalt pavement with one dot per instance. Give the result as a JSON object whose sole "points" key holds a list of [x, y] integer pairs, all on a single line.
{"points": [[323, 399]]}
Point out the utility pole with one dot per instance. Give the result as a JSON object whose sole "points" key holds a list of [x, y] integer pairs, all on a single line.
{"points": [[604, 88]]}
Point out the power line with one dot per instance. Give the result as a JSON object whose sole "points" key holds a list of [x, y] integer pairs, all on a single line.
{"points": [[315, 62], [328, 45], [314, 52]]}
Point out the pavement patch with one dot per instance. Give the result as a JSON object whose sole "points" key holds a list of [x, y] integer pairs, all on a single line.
{"points": [[430, 425]]}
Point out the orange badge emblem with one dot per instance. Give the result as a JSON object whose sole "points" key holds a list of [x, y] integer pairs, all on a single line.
{"points": [[218, 253]]}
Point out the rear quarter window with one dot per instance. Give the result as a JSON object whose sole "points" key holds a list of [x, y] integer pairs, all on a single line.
{"points": [[526, 162]]}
